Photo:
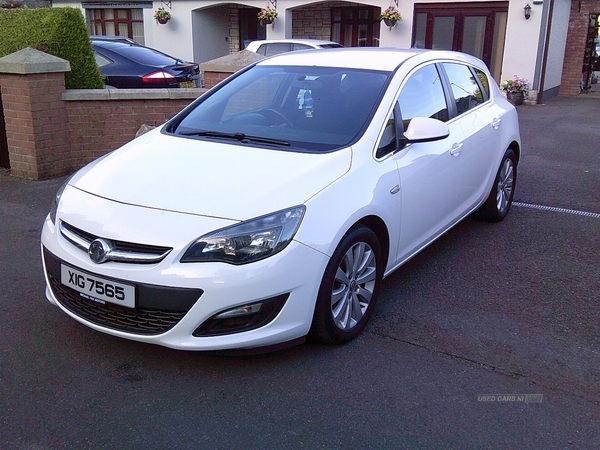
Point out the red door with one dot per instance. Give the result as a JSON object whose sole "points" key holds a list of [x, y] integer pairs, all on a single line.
{"points": [[474, 28], [355, 26]]}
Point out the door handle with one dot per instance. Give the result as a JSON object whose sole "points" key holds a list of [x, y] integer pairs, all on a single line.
{"points": [[496, 123], [456, 148]]}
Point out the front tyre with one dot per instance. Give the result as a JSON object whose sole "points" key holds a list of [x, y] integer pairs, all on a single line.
{"points": [[349, 288], [498, 203]]}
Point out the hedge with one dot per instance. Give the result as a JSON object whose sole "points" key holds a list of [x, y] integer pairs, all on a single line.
{"points": [[60, 32]]}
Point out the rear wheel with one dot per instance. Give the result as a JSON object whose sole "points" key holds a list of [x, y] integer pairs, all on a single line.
{"points": [[500, 199], [349, 288]]}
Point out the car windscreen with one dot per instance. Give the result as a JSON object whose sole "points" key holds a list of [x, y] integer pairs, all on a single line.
{"points": [[306, 108], [144, 55]]}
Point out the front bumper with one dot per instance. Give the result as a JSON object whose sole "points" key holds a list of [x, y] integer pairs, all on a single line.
{"points": [[175, 301]]}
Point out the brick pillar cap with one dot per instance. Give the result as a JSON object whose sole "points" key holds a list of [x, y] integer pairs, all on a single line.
{"points": [[231, 63], [30, 60]]}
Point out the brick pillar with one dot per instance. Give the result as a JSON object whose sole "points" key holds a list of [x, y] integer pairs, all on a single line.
{"points": [[31, 84], [218, 69], [575, 46]]}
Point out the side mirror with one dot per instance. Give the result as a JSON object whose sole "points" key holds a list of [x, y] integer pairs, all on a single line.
{"points": [[425, 129]]}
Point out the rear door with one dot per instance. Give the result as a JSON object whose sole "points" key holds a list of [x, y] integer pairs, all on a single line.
{"points": [[480, 120]]}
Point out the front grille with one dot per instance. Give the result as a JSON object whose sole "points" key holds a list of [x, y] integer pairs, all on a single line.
{"points": [[138, 320], [158, 308], [126, 252]]}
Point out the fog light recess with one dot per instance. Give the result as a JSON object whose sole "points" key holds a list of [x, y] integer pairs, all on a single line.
{"points": [[242, 318]]}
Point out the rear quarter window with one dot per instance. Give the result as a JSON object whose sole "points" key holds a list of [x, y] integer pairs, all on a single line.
{"points": [[101, 60]]}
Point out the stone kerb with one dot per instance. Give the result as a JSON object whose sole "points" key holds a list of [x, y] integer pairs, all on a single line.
{"points": [[31, 85]]}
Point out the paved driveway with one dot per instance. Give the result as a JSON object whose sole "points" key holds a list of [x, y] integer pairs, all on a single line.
{"points": [[487, 339]]}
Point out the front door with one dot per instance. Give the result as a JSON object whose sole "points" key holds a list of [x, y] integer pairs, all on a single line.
{"points": [[478, 29], [428, 171], [250, 27], [355, 26]]}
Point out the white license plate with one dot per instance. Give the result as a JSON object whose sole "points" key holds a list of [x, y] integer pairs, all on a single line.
{"points": [[187, 84], [97, 289]]}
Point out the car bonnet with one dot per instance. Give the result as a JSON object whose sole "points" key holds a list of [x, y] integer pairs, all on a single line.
{"points": [[209, 178]]}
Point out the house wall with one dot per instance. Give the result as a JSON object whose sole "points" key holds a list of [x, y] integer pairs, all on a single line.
{"points": [[556, 47], [523, 41], [202, 30], [297, 18], [575, 45], [210, 33], [312, 21]]}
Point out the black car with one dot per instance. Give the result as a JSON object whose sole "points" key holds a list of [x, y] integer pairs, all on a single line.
{"points": [[126, 64]]}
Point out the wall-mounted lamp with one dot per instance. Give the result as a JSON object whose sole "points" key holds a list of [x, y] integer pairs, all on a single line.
{"points": [[527, 11]]}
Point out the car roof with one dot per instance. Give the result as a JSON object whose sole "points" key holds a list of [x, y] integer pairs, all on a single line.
{"points": [[311, 42], [374, 58], [113, 39]]}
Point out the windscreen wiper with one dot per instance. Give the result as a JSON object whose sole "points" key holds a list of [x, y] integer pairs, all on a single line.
{"points": [[237, 136]]}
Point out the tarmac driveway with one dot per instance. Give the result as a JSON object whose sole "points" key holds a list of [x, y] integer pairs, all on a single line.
{"points": [[487, 339]]}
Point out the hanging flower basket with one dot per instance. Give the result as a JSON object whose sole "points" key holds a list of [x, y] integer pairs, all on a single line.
{"points": [[267, 16], [162, 16], [391, 16]]}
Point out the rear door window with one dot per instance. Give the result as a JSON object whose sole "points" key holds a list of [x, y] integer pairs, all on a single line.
{"points": [[465, 88], [275, 48]]}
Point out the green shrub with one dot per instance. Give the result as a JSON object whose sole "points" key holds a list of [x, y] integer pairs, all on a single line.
{"points": [[60, 32]]}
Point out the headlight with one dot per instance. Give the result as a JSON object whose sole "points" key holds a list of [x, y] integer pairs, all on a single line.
{"points": [[247, 241], [56, 200]]}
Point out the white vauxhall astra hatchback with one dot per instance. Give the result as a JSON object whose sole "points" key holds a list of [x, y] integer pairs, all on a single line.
{"points": [[273, 206]]}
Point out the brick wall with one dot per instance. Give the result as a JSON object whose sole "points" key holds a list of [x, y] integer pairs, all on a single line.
{"points": [[51, 131], [234, 29], [97, 127], [312, 21], [211, 79], [575, 45]]}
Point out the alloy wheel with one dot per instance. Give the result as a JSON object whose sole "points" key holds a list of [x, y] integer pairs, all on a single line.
{"points": [[505, 185], [353, 286]]}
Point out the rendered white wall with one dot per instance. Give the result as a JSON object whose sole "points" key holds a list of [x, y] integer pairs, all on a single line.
{"points": [[557, 44], [522, 41], [210, 33], [71, 3], [173, 38]]}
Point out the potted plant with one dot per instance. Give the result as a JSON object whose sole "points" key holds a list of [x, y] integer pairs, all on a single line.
{"points": [[516, 89], [267, 15], [162, 16], [391, 16]]}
